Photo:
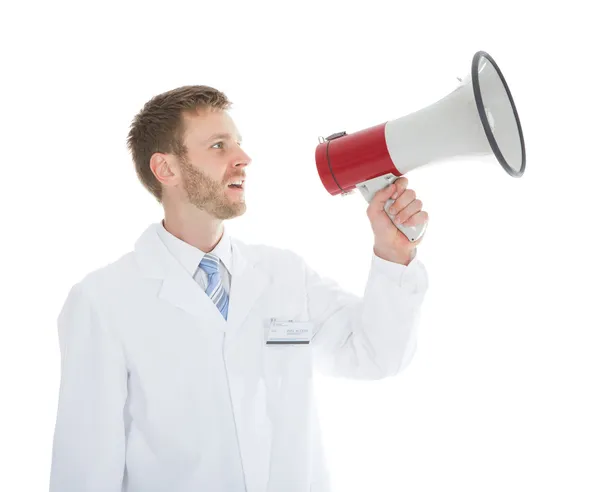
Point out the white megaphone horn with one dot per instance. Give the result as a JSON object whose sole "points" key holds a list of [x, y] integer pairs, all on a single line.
{"points": [[478, 119]]}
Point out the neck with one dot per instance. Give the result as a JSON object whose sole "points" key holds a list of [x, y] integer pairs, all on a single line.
{"points": [[195, 227]]}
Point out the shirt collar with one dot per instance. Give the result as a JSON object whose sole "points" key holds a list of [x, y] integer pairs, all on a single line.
{"points": [[189, 256]]}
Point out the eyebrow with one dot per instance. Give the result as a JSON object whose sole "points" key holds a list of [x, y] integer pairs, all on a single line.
{"points": [[222, 136]]}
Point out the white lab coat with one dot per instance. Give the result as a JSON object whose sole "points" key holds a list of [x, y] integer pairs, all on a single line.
{"points": [[159, 393]]}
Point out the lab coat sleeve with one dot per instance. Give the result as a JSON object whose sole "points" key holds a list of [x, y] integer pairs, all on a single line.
{"points": [[89, 439], [368, 337]]}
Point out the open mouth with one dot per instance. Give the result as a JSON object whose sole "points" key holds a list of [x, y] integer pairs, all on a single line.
{"points": [[236, 184]]}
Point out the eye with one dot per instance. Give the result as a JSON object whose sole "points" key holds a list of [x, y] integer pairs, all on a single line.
{"points": [[218, 143]]}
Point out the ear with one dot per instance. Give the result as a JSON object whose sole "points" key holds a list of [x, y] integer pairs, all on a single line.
{"points": [[163, 167]]}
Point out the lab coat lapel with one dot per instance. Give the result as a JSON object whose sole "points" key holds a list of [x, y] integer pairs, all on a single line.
{"points": [[248, 282], [181, 290]]}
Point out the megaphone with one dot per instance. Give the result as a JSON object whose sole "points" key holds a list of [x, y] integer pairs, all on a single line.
{"points": [[476, 120]]}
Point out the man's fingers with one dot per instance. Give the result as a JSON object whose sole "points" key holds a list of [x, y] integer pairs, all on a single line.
{"points": [[419, 218], [412, 208], [383, 195], [403, 201]]}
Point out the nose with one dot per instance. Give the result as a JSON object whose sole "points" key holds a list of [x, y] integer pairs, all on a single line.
{"points": [[242, 159]]}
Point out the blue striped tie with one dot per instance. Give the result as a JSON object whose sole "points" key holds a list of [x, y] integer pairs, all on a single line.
{"points": [[215, 290]]}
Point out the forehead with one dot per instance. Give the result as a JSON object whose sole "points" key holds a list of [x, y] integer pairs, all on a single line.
{"points": [[202, 124]]}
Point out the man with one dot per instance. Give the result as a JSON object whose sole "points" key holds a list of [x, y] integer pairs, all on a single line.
{"points": [[170, 377]]}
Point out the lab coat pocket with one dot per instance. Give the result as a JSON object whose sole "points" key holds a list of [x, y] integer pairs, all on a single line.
{"points": [[287, 363], [288, 378]]}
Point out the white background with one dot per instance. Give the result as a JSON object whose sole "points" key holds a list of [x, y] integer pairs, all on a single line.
{"points": [[503, 393]]}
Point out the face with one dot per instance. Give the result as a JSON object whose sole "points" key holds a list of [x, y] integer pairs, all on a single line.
{"points": [[214, 160]]}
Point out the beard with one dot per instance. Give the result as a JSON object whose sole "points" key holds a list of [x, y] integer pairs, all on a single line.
{"points": [[209, 195]]}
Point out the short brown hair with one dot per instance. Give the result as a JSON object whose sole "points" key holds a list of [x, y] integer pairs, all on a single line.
{"points": [[159, 127]]}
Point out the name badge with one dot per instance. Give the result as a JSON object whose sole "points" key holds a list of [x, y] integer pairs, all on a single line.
{"points": [[289, 332]]}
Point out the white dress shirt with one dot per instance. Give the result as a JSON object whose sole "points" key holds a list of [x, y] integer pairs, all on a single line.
{"points": [[190, 257]]}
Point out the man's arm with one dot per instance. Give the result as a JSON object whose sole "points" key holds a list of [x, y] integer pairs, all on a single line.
{"points": [[89, 438], [370, 337]]}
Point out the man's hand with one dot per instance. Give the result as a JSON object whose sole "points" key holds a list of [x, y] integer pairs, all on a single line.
{"points": [[390, 243]]}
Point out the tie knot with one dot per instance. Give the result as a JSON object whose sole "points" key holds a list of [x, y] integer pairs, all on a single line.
{"points": [[210, 263]]}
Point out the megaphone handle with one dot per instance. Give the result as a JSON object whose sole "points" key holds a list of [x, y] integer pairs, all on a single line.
{"points": [[413, 233], [371, 187]]}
